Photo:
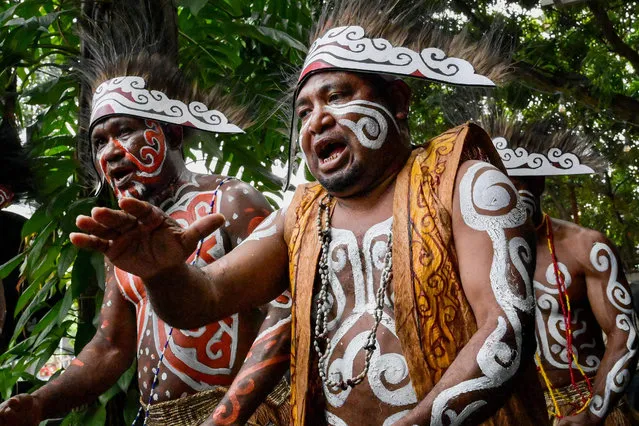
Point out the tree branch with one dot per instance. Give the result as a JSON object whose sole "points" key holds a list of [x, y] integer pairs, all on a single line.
{"points": [[623, 108], [608, 30]]}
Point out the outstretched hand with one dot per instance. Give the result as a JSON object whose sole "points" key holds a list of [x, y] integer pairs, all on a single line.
{"points": [[141, 239]]}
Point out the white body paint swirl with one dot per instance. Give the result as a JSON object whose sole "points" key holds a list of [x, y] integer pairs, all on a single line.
{"points": [[619, 376], [372, 122], [556, 354], [529, 202], [490, 190], [388, 374], [267, 228]]}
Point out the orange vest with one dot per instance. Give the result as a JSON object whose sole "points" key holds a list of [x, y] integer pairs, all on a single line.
{"points": [[433, 318]]}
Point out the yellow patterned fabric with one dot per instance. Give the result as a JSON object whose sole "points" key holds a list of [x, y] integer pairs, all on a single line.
{"points": [[433, 318]]}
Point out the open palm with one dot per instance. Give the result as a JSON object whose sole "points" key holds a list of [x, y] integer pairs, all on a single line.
{"points": [[141, 239]]}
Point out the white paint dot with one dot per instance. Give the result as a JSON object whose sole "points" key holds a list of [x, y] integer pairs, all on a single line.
{"points": [[146, 351], [148, 332], [163, 376], [227, 223], [231, 198], [145, 369], [184, 395], [155, 397], [139, 375], [154, 370], [109, 303], [245, 191], [235, 216], [146, 386], [239, 241], [168, 394]]}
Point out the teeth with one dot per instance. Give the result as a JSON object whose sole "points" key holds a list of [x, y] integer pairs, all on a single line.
{"points": [[332, 157]]}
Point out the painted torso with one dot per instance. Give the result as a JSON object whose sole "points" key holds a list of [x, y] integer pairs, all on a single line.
{"points": [[588, 345], [356, 264], [194, 360]]}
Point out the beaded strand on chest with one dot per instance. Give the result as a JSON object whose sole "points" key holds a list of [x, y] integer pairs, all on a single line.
{"points": [[323, 306]]}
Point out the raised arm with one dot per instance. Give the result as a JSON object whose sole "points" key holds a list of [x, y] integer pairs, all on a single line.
{"points": [[143, 240], [611, 302], [496, 263], [94, 371]]}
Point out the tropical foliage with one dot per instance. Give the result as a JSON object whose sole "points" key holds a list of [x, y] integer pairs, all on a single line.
{"points": [[577, 63]]}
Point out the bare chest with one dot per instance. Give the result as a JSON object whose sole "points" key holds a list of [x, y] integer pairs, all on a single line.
{"points": [[186, 361], [354, 276], [566, 328]]}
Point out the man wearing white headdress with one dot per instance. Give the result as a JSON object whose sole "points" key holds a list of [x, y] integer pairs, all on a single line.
{"points": [[410, 267], [580, 287]]}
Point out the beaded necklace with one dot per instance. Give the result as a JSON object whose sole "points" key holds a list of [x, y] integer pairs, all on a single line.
{"points": [[156, 370], [323, 306], [564, 302]]}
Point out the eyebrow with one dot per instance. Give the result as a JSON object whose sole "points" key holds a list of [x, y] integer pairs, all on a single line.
{"points": [[326, 87]]}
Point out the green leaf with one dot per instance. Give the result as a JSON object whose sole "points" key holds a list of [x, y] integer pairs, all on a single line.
{"points": [[283, 37], [10, 265], [48, 319], [66, 304], [67, 256], [194, 5], [37, 222]]}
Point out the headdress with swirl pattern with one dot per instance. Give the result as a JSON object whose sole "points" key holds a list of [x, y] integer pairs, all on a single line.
{"points": [[537, 148], [397, 38], [127, 70]]}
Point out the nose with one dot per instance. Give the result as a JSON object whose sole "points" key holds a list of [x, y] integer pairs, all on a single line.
{"points": [[113, 150], [319, 121]]}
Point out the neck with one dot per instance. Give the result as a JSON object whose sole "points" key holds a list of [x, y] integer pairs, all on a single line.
{"points": [[182, 178], [378, 194]]}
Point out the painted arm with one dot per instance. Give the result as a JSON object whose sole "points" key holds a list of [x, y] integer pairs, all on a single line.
{"points": [[98, 366], [496, 263], [143, 240], [264, 366], [611, 302], [268, 358]]}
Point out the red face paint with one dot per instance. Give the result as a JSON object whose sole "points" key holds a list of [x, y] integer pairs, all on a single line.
{"points": [[6, 196], [144, 152]]}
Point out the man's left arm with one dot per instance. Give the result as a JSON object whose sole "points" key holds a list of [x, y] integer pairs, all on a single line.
{"points": [[269, 355], [496, 255], [611, 302]]}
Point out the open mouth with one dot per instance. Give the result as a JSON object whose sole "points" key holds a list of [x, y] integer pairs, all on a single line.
{"points": [[329, 151], [121, 176]]}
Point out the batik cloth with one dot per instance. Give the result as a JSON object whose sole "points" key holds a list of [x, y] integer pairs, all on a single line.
{"points": [[434, 320], [194, 409]]}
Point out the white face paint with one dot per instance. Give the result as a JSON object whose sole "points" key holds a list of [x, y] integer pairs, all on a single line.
{"points": [[551, 335], [485, 189], [618, 295], [371, 129]]}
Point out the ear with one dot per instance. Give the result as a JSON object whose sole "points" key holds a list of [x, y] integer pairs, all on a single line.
{"points": [[399, 96], [174, 135]]}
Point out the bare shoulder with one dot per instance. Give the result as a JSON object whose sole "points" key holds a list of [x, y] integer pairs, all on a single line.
{"points": [[586, 244], [233, 190]]}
